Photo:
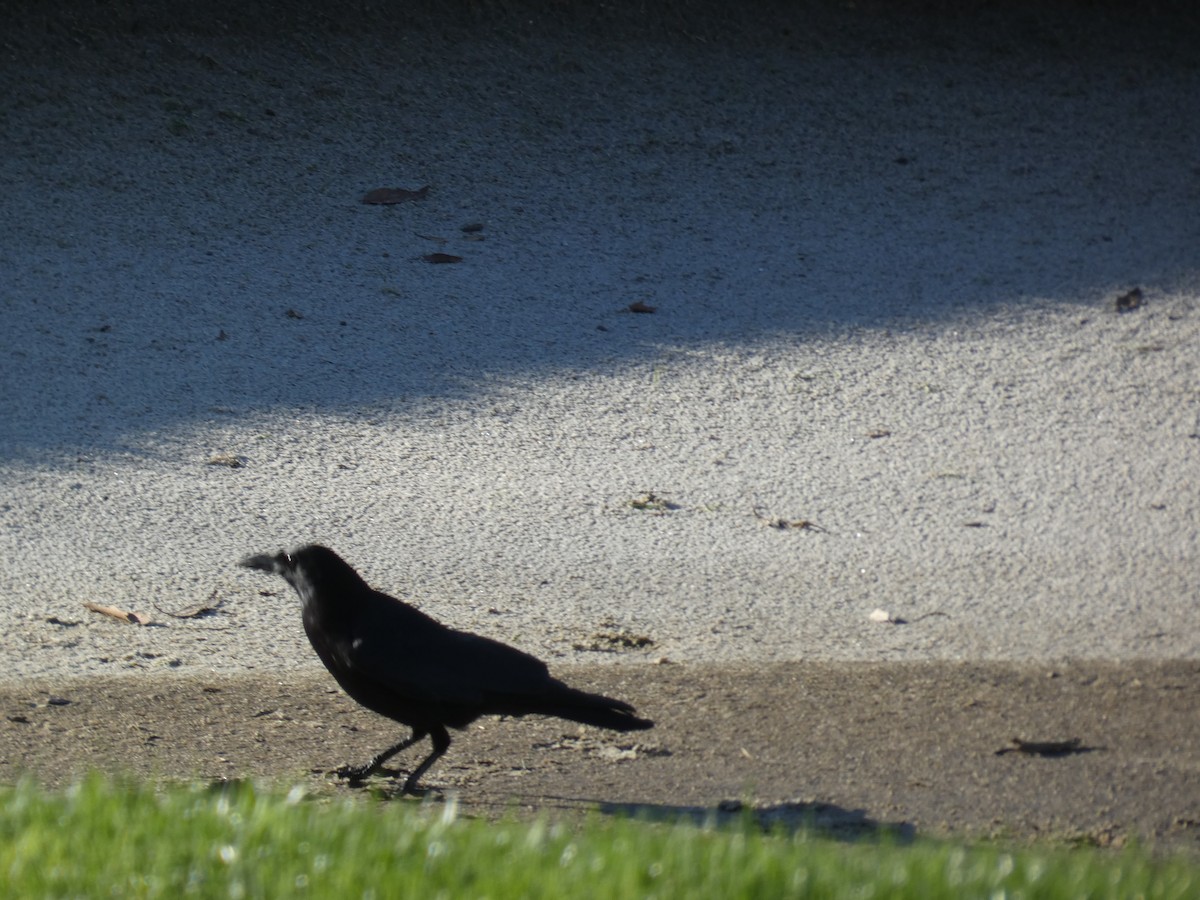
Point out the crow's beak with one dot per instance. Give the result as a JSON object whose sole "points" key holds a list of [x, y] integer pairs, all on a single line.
{"points": [[266, 563]]}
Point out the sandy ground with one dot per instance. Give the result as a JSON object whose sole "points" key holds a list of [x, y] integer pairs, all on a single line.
{"points": [[858, 749], [885, 366]]}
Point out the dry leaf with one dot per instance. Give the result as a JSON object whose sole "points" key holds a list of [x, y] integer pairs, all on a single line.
{"points": [[615, 642], [198, 611], [228, 460], [114, 612], [639, 307], [442, 258], [389, 196], [798, 524], [651, 502], [782, 524]]}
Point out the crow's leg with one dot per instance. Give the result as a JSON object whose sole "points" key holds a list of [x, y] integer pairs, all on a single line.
{"points": [[358, 773], [441, 742]]}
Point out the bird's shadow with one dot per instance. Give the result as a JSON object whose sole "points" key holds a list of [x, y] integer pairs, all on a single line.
{"points": [[825, 819]]}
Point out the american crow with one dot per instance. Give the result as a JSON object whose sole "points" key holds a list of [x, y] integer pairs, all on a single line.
{"points": [[400, 663]]}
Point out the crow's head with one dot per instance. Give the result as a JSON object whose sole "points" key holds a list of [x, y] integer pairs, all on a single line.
{"points": [[282, 563], [308, 569]]}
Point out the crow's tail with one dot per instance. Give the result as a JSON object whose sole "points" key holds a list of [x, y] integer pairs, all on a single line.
{"points": [[592, 709]]}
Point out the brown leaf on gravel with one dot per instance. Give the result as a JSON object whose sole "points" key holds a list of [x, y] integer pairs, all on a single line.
{"points": [[441, 258], [781, 524], [639, 307], [116, 613], [798, 524], [390, 196], [228, 460], [199, 611], [652, 502], [614, 642]]}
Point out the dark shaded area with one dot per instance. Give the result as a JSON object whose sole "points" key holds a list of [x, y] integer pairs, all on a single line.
{"points": [[335, 16], [210, 256], [853, 746], [825, 819], [1051, 749]]}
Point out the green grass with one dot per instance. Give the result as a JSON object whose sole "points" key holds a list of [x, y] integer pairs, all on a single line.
{"points": [[100, 839]]}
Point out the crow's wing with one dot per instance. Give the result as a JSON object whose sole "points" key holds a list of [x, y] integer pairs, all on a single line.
{"points": [[412, 654]]}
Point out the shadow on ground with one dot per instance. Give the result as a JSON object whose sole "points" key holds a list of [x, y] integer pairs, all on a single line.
{"points": [[185, 240]]}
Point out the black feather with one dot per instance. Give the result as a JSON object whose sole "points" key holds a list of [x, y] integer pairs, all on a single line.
{"points": [[400, 663]]}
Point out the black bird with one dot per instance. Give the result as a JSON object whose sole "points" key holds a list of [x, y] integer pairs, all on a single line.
{"points": [[400, 663]]}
